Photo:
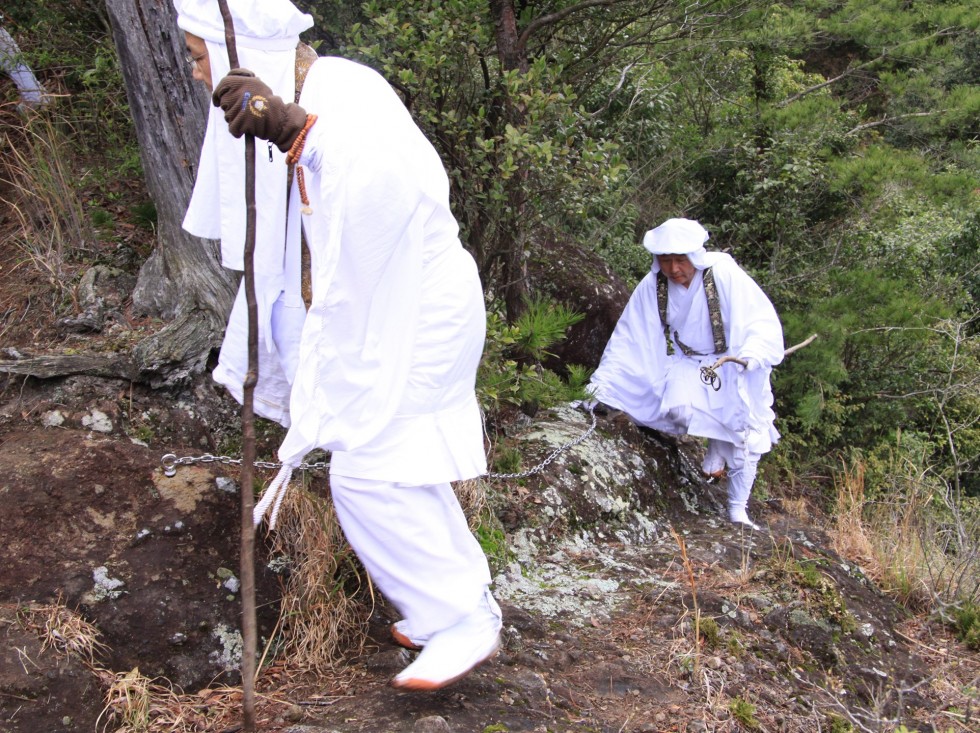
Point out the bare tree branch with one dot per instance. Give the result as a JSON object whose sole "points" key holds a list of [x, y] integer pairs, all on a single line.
{"points": [[887, 120], [885, 54]]}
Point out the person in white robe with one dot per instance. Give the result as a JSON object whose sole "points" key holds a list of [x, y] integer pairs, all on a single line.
{"points": [[652, 371], [380, 370]]}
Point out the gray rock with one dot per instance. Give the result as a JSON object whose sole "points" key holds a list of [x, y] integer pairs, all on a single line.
{"points": [[431, 724]]}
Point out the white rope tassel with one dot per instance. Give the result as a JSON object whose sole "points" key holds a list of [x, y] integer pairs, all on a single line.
{"points": [[274, 492], [275, 507]]}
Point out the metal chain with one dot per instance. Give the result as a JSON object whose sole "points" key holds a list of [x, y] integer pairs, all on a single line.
{"points": [[170, 461], [710, 377], [554, 454]]}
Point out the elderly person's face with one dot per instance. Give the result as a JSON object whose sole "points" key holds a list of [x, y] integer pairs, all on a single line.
{"points": [[677, 268], [197, 57]]}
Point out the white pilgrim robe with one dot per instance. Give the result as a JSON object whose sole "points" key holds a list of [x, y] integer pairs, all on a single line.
{"points": [[381, 371], [665, 392]]}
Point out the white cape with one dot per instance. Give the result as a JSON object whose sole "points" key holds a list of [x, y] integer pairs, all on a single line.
{"points": [[385, 361], [666, 393]]}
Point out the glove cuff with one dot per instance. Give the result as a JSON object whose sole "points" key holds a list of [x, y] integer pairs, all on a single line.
{"points": [[293, 122]]}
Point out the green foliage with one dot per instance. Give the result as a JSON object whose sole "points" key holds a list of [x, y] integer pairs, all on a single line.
{"points": [[73, 158], [960, 254], [967, 620], [493, 541], [858, 380], [880, 172], [100, 218], [511, 372], [144, 214], [69, 46], [542, 324], [768, 199], [507, 459], [808, 575], [837, 724], [744, 712], [519, 149], [47, 200], [496, 728], [827, 145], [709, 631]]}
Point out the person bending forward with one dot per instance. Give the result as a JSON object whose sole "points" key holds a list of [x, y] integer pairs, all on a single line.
{"points": [[691, 309], [381, 368]]}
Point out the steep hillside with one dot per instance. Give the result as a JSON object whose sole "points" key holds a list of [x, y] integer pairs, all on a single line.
{"points": [[629, 604]]}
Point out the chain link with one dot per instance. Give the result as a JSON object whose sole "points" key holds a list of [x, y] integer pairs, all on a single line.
{"points": [[170, 461], [710, 377], [553, 455]]}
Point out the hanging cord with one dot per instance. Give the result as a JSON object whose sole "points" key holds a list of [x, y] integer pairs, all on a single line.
{"points": [[273, 496]]}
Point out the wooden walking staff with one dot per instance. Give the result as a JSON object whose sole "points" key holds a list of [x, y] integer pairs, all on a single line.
{"points": [[247, 564]]}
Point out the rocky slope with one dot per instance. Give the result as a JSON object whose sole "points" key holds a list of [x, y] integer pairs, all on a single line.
{"points": [[629, 604]]}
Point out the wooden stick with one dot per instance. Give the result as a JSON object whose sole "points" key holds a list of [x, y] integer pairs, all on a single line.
{"points": [[787, 352], [726, 359], [247, 560], [800, 345]]}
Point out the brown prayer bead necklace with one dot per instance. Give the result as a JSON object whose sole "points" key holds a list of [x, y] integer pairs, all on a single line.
{"points": [[292, 157]]}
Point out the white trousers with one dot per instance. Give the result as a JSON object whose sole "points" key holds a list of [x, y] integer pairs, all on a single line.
{"points": [[742, 468], [415, 543]]}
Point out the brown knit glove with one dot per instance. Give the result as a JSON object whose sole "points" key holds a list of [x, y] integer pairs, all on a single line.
{"points": [[251, 108]]}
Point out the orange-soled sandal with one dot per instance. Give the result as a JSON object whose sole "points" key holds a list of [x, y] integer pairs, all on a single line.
{"points": [[402, 639]]}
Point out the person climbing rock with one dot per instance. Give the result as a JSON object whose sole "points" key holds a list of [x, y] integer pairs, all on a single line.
{"points": [[692, 310]]}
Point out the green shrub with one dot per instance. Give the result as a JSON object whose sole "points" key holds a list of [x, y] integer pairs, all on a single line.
{"points": [[744, 712], [511, 371], [967, 620]]}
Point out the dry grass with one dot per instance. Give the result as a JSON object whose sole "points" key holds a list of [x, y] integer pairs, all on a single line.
{"points": [[472, 495], [134, 703], [137, 704], [131, 701], [63, 630], [695, 652], [883, 538], [45, 201], [850, 538], [919, 544], [798, 508], [321, 618]]}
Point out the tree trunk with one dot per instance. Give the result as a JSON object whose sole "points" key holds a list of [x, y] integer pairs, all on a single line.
{"points": [[512, 55], [512, 58], [183, 280]]}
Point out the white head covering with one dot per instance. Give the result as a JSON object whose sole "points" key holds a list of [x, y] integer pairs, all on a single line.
{"points": [[678, 237], [265, 24], [266, 35]]}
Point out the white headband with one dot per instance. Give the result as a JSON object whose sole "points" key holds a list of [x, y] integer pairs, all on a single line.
{"points": [[680, 237]]}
